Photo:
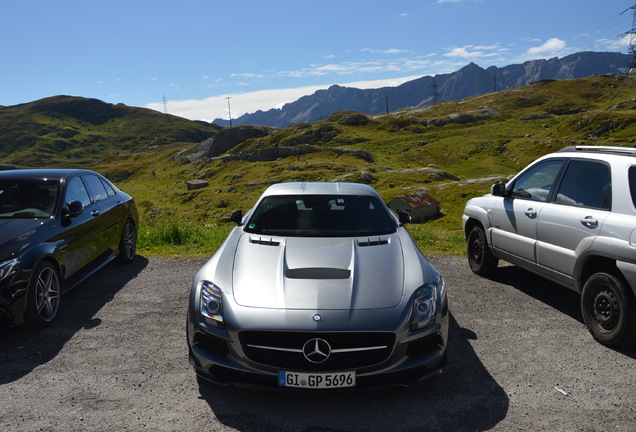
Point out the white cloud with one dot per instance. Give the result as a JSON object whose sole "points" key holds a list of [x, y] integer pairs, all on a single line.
{"points": [[550, 48], [616, 44], [471, 52], [388, 51]]}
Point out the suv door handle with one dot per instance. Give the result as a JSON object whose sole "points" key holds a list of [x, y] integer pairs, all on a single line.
{"points": [[589, 221], [531, 213]]}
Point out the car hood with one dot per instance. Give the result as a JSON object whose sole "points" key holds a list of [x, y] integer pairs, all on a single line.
{"points": [[17, 234], [318, 273]]}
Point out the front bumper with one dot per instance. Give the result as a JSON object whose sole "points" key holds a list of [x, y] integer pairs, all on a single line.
{"points": [[233, 357]]}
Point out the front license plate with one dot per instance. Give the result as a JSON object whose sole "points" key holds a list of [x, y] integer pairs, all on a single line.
{"points": [[318, 380]]}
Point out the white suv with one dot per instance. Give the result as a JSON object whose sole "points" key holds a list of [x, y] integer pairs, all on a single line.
{"points": [[570, 217]]}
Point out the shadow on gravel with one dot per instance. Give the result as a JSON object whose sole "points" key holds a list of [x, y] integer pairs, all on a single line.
{"points": [[465, 397], [22, 349], [556, 296]]}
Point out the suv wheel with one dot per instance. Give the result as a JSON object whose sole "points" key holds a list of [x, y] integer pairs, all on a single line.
{"points": [[609, 310], [481, 260]]}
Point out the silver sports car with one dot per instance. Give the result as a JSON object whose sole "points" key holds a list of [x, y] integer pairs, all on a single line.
{"points": [[318, 286]]}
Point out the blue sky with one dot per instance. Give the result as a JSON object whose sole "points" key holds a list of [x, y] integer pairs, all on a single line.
{"points": [[264, 53]]}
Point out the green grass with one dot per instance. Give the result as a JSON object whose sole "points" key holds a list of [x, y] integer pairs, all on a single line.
{"points": [[181, 239]]}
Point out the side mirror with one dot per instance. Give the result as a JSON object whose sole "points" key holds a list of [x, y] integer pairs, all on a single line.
{"points": [[237, 217], [73, 209], [404, 217], [499, 189]]}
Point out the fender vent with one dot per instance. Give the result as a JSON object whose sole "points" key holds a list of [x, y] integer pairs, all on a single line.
{"points": [[372, 242], [264, 241]]}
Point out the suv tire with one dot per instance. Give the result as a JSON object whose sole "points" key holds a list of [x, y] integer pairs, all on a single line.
{"points": [[481, 260], [609, 310]]}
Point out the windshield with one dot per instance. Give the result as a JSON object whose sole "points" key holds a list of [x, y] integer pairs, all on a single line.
{"points": [[321, 216], [28, 198]]}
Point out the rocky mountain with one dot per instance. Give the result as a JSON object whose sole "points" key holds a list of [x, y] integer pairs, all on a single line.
{"points": [[469, 81]]}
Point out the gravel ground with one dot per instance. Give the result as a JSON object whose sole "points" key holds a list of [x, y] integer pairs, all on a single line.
{"points": [[520, 359]]}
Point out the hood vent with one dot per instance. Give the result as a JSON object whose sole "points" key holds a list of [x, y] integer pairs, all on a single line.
{"points": [[318, 273], [373, 242], [264, 241]]}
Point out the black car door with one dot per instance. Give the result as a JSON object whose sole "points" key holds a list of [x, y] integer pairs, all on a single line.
{"points": [[111, 212], [83, 235]]}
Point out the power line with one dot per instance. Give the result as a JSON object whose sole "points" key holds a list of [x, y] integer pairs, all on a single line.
{"points": [[632, 39], [435, 94], [229, 111]]}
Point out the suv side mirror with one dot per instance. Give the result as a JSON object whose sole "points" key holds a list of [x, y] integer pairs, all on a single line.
{"points": [[499, 189], [237, 217]]}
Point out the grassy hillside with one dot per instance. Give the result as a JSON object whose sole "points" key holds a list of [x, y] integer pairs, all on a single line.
{"points": [[64, 130], [477, 140]]}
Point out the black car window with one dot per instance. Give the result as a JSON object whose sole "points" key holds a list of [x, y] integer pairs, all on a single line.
{"points": [[95, 187], [76, 191], [536, 183], [110, 189], [321, 216], [586, 184], [28, 198]]}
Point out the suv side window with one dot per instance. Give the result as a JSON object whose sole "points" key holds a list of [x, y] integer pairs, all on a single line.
{"points": [[632, 183], [537, 182], [586, 184]]}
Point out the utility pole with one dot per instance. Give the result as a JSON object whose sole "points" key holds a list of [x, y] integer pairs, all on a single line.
{"points": [[229, 111], [435, 94], [387, 104], [165, 106], [494, 83], [632, 40]]}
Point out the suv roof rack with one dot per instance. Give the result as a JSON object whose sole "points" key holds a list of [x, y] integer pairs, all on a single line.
{"points": [[631, 151]]}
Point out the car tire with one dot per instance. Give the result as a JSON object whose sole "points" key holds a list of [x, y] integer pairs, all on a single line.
{"points": [[127, 243], [44, 296], [609, 310], [480, 258]]}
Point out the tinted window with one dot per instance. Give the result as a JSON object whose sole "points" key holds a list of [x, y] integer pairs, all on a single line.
{"points": [[586, 184], [321, 216], [76, 191], [632, 184], [28, 198], [96, 187], [536, 183], [110, 189]]}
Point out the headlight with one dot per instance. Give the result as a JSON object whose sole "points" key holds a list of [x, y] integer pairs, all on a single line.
{"points": [[425, 304], [211, 305], [8, 268]]}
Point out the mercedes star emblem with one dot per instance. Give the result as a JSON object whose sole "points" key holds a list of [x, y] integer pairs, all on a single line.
{"points": [[316, 350]]}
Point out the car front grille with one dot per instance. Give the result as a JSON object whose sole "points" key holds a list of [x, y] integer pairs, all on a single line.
{"points": [[287, 350]]}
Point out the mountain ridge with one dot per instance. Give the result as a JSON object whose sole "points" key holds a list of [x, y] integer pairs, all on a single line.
{"points": [[469, 80]]}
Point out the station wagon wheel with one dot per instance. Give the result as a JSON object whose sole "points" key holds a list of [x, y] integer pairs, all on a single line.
{"points": [[127, 243], [609, 309], [481, 260], [44, 295]]}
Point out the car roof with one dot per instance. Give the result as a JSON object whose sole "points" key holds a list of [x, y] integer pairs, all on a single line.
{"points": [[49, 173], [320, 188]]}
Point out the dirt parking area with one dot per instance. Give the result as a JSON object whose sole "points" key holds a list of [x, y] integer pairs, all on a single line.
{"points": [[520, 359]]}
